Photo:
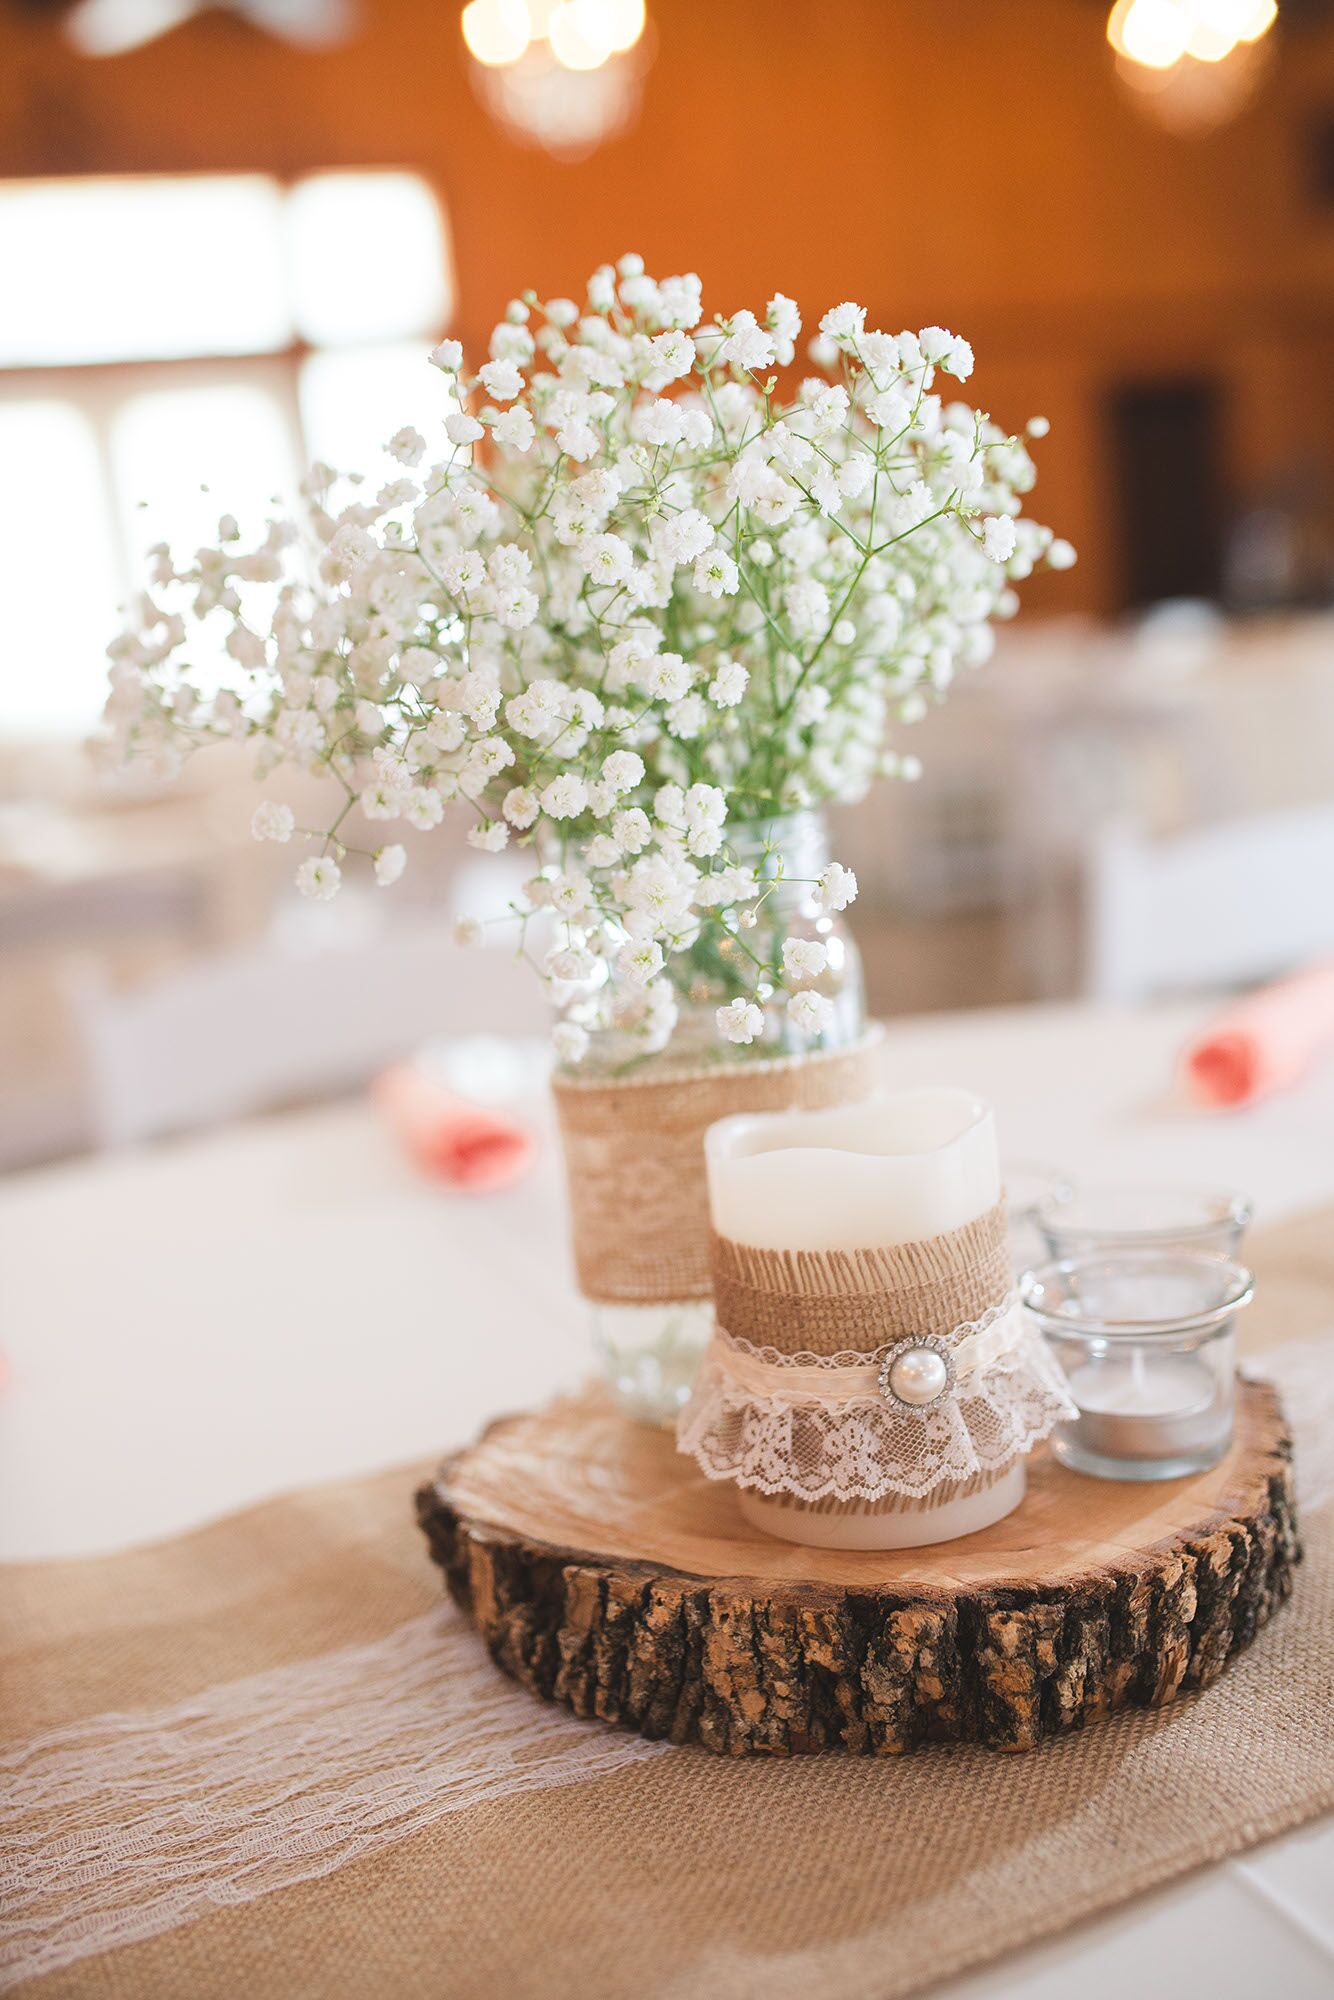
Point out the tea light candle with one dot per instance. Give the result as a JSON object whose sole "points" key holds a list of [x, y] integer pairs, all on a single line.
{"points": [[1147, 1406], [896, 1169]]}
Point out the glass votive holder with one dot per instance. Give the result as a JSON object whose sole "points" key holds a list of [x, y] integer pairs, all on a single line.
{"points": [[1147, 1340], [1084, 1221], [1029, 1185]]}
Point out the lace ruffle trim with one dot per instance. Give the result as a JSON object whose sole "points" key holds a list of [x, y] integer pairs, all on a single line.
{"points": [[815, 1448]]}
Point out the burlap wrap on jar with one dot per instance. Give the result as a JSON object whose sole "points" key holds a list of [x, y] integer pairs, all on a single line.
{"points": [[634, 1161]]}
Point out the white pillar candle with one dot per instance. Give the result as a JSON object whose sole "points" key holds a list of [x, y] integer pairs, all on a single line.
{"points": [[896, 1169]]}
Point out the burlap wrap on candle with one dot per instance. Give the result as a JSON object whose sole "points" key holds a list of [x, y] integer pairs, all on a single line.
{"points": [[836, 1301], [634, 1161], [787, 1401]]}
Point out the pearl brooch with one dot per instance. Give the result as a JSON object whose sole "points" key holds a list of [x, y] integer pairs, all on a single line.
{"points": [[915, 1373]]}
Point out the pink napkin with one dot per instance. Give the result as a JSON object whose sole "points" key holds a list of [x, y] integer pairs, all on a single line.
{"points": [[1266, 1041], [466, 1145]]}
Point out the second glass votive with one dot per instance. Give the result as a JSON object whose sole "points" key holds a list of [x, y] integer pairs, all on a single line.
{"points": [[1030, 1186], [1086, 1221], [1147, 1340]]}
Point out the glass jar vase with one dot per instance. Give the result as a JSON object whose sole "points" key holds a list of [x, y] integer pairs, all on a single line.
{"points": [[648, 1353]]}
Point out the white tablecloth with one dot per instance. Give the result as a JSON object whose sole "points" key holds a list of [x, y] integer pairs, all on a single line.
{"points": [[197, 1326]]}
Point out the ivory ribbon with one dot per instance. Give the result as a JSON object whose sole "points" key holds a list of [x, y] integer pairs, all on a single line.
{"points": [[973, 1349], [634, 1161]]}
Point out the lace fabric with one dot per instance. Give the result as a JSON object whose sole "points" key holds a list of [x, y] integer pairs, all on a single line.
{"points": [[834, 1446], [126, 1825]]}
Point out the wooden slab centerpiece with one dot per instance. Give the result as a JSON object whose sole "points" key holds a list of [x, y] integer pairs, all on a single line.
{"points": [[605, 1572]]}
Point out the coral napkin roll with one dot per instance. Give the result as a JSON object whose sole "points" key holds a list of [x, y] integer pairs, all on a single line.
{"points": [[467, 1145], [1266, 1041]]}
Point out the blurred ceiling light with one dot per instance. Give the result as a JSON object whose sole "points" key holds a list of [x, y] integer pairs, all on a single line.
{"points": [[1240, 20], [1217, 26], [626, 22], [496, 31], [112, 27], [567, 73], [586, 33], [1158, 33], [1152, 32], [1191, 62], [570, 39], [99, 29]]}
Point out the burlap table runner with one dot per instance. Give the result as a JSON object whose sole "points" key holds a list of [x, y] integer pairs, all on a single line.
{"points": [[479, 1850]]}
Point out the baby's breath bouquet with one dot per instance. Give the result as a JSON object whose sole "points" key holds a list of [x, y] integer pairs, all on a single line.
{"points": [[646, 594]]}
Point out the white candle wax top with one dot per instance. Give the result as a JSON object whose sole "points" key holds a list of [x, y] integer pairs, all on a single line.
{"points": [[902, 1166]]}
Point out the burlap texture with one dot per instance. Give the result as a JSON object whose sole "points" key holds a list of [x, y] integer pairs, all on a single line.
{"points": [[634, 1160], [835, 1302], [821, 1879], [854, 1301]]}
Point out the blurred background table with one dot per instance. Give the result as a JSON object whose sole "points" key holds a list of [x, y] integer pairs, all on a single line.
{"points": [[197, 1325]]}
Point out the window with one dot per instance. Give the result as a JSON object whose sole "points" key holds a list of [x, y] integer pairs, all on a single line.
{"points": [[176, 347]]}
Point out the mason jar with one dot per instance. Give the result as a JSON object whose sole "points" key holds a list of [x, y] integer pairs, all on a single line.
{"points": [[649, 1353]]}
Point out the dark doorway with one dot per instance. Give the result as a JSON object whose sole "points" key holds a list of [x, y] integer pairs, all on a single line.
{"points": [[1166, 458]]}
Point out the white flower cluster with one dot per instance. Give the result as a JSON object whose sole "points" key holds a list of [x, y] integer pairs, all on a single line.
{"points": [[636, 599]]}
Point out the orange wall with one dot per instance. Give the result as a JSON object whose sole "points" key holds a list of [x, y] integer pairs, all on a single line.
{"points": [[970, 161]]}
